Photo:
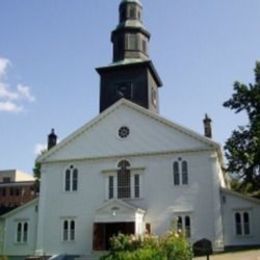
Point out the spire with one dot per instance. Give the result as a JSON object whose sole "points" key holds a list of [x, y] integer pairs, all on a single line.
{"points": [[130, 38], [132, 74], [207, 126]]}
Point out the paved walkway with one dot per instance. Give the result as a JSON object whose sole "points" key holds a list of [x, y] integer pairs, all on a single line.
{"points": [[246, 255]]}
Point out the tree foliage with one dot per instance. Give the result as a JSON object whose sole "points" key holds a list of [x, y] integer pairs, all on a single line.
{"points": [[242, 149]]}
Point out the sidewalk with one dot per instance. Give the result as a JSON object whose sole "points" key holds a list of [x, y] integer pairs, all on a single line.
{"points": [[245, 255]]}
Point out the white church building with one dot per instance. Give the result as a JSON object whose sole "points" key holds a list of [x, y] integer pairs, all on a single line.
{"points": [[129, 170]]}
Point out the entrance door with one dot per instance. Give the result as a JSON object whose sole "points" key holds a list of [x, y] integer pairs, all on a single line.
{"points": [[104, 231]]}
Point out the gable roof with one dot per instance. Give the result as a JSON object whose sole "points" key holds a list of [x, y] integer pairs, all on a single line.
{"points": [[18, 209], [240, 195], [132, 106]]}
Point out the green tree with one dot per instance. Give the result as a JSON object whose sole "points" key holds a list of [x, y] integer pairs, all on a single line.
{"points": [[242, 149], [37, 170], [37, 175]]}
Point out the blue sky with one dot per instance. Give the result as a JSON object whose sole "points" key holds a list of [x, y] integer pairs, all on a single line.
{"points": [[49, 50]]}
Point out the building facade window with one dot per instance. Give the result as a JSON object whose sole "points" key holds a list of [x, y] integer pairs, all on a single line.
{"points": [[111, 187], [68, 230], [22, 229], [123, 180], [124, 183], [242, 223], [6, 179], [71, 179], [137, 185], [180, 172], [132, 42], [184, 225]]}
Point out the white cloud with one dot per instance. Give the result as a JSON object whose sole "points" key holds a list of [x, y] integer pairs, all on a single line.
{"points": [[6, 93], [24, 92], [12, 100], [4, 63], [39, 148], [8, 106]]}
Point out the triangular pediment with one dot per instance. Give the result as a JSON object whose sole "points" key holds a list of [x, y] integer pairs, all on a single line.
{"points": [[149, 134], [117, 211], [117, 206]]}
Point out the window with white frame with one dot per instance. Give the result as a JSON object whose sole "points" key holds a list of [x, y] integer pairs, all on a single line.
{"points": [[123, 180], [137, 185], [242, 223], [68, 230], [111, 187], [184, 225], [71, 179], [22, 229], [123, 183], [180, 172]]}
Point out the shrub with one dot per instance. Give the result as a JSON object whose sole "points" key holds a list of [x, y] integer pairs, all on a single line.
{"points": [[171, 246]]}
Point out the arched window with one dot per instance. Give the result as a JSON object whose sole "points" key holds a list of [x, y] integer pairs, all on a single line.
{"points": [[69, 230], [25, 232], [71, 179], [19, 233], [184, 168], [184, 225], [176, 173], [22, 232], [242, 223], [123, 180], [246, 223], [72, 230], [65, 230], [238, 224], [180, 172]]}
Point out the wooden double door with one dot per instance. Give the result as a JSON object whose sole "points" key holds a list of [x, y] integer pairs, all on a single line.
{"points": [[104, 231]]}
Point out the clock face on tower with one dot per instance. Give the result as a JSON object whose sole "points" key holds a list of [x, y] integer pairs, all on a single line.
{"points": [[124, 90]]}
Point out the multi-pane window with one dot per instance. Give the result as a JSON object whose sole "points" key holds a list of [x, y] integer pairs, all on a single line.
{"points": [[68, 230], [123, 180], [22, 229], [180, 172], [123, 183], [111, 187], [137, 185], [184, 225], [242, 223], [6, 179], [71, 179]]}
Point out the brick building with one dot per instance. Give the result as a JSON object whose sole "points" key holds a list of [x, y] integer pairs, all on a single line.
{"points": [[16, 188]]}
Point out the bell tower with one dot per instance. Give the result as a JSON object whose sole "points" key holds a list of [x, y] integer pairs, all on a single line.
{"points": [[131, 75]]}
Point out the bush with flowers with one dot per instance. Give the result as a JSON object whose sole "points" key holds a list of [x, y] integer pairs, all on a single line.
{"points": [[171, 246]]}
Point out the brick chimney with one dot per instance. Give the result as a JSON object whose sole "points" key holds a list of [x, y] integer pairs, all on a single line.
{"points": [[52, 139], [207, 126]]}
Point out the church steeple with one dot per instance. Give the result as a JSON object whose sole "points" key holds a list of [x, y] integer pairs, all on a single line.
{"points": [[130, 38], [131, 75]]}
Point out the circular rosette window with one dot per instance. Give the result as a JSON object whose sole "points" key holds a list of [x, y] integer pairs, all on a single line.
{"points": [[123, 132]]}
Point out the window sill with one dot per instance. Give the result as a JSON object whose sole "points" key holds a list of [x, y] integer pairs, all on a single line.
{"points": [[125, 199], [70, 192], [244, 236], [180, 186], [21, 243], [68, 242]]}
